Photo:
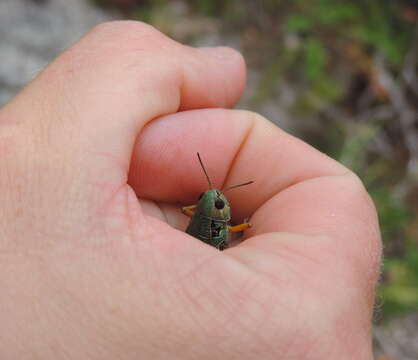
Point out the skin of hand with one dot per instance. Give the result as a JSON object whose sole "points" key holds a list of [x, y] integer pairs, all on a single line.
{"points": [[89, 272]]}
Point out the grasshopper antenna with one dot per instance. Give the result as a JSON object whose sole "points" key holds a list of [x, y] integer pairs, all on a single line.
{"points": [[235, 186], [204, 170]]}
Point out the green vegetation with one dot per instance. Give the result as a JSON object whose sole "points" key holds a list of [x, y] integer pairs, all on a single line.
{"points": [[336, 57]]}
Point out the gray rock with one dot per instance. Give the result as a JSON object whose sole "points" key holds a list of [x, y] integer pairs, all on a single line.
{"points": [[32, 33], [398, 339]]}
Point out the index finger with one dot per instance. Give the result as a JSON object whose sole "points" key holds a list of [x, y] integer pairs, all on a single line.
{"points": [[235, 146]]}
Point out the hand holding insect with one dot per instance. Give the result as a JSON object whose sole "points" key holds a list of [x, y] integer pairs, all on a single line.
{"points": [[88, 272], [210, 217]]}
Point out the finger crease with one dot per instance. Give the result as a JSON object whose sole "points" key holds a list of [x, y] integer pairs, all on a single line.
{"points": [[238, 152]]}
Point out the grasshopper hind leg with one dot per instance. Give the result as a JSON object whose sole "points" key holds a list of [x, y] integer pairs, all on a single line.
{"points": [[240, 227]]}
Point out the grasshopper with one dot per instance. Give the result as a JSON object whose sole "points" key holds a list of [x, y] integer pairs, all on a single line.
{"points": [[210, 217]]}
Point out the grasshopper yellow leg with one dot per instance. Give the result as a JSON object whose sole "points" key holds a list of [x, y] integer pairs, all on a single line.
{"points": [[188, 210], [240, 227]]}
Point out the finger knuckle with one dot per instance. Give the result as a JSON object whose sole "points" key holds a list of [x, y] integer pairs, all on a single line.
{"points": [[128, 32], [119, 27]]}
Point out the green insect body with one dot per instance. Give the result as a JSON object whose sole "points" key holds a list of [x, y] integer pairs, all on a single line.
{"points": [[211, 216], [211, 219]]}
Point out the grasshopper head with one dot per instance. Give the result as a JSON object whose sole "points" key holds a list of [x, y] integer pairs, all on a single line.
{"points": [[215, 205], [213, 202]]}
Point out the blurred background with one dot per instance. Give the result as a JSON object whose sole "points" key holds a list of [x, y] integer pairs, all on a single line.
{"points": [[341, 75]]}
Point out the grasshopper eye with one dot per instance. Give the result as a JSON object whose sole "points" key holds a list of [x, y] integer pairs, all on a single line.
{"points": [[219, 204]]}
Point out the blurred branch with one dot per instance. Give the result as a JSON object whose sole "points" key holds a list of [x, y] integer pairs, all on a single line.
{"points": [[409, 72]]}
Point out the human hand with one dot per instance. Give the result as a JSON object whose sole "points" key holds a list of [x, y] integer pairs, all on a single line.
{"points": [[87, 272]]}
